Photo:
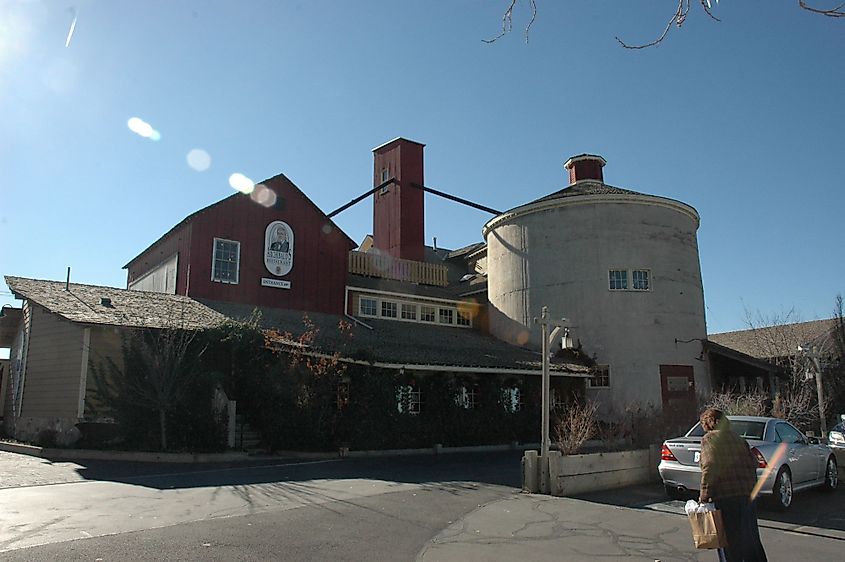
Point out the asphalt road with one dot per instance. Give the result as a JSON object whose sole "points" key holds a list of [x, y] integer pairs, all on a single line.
{"points": [[355, 509], [446, 508]]}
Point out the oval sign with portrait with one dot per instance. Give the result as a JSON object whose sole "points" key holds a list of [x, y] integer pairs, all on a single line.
{"points": [[278, 248]]}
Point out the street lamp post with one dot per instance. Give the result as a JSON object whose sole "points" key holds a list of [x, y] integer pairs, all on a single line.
{"points": [[546, 342]]}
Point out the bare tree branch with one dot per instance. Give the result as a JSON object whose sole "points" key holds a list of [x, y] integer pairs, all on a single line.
{"points": [[837, 12], [678, 19], [507, 21]]}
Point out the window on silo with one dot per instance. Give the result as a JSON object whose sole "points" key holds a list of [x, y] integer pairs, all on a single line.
{"points": [[225, 261], [618, 279], [640, 280], [600, 378]]}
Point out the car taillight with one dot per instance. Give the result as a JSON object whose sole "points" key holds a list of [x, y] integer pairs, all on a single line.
{"points": [[761, 460], [666, 454]]}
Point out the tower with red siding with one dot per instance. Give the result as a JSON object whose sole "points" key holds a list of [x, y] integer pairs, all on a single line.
{"points": [[398, 207]]}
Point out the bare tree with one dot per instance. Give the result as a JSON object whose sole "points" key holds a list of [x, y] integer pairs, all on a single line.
{"points": [[159, 367], [679, 17]]}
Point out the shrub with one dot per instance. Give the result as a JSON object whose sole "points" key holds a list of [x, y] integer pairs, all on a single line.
{"points": [[575, 426]]}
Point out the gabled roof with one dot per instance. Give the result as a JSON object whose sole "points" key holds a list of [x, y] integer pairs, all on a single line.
{"points": [[777, 341], [406, 344], [137, 309], [195, 214]]}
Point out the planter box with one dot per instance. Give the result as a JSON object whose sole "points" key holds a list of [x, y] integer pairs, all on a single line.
{"points": [[578, 474]]}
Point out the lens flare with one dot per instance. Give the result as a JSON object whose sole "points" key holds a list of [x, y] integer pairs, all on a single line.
{"points": [[773, 462], [327, 229], [198, 159], [143, 129], [263, 195], [241, 183]]}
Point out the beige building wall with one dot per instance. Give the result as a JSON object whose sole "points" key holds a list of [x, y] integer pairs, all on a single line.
{"points": [[558, 254], [106, 343]]}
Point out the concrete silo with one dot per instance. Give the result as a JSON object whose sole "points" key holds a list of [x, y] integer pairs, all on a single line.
{"points": [[623, 268]]}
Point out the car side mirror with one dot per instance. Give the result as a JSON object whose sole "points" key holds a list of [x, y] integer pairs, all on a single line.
{"points": [[813, 440]]}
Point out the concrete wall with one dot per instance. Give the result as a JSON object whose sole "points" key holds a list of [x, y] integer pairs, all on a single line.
{"points": [[558, 254]]}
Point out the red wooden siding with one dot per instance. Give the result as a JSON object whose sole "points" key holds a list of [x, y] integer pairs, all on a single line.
{"points": [[318, 276], [176, 241]]}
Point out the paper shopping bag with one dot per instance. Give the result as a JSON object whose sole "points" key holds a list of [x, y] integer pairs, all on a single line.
{"points": [[708, 531]]}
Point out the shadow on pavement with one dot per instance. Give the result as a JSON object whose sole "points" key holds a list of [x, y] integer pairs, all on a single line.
{"points": [[809, 508], [454, 470]]}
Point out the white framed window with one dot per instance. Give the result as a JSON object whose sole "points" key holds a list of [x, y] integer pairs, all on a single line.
{"points": [[640, 280], [467, 397], [463, 318], [446, 316], [385, 175], [409, 399], [512, 399], [225, 261], [409, 311], [367, 307], [600, 378], [618, 279], [427, 313], [389, 309]]}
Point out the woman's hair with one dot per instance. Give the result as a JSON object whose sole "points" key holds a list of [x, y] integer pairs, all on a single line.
{"points": [[711, 419]]}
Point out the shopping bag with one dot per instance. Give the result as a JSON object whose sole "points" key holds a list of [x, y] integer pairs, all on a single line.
{"points": [[708, 530]]}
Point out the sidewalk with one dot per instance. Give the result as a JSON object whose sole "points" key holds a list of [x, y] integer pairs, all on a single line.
{"points": [[543, 528]]}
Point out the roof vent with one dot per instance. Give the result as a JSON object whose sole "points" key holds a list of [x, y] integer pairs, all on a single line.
{"points": [[585, 167], [105, 301]]}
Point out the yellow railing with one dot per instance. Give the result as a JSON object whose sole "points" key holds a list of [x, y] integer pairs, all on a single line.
{"points": [[387, 267]]}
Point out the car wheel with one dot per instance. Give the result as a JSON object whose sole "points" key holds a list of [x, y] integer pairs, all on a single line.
{"points": [[782, 492], [831, 475], [673, 492]]}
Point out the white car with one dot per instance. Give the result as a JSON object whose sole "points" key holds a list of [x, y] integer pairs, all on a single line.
{"points": [[805, 462]]}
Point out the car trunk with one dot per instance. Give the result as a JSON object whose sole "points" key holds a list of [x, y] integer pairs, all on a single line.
{"points": [[685, 449]]}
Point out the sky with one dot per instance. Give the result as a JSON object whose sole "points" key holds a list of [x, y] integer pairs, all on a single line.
{"points": [[742, 119]]}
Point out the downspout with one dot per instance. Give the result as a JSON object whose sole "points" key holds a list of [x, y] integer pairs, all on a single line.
{"points": [[346, 310]]}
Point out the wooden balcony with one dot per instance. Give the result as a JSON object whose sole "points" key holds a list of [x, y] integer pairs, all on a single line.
{"points": [[387, 267]]}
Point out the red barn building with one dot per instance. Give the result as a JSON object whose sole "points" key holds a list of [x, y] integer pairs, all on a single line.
{"points": [[271, 248]]}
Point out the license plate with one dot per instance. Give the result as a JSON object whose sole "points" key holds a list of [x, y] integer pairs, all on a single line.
{"points": [[696, 457]]}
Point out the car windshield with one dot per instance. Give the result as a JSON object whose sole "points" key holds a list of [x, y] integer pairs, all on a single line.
{"points": [[745, 428]]}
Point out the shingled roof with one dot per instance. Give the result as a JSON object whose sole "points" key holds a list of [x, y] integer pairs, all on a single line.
{"points": [[405, 344], [94, 304], [587, 187], [777, 341]]}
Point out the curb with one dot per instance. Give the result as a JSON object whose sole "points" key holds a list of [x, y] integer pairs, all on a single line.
{"points": [[187, 458], [128, 456]]}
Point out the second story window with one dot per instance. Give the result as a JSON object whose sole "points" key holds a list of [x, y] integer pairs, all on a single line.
{"points": [[388, 309], [447, 316], [600, 378], [427, 313], [640, 280], [225, 261], [618, 279], [367, 307], [409, 312]]}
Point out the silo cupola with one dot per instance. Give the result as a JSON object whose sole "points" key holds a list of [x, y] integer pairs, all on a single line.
{"points": [[585, 167]]}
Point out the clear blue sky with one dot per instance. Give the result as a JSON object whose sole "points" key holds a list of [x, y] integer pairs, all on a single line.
{"points": [[742, 119]]}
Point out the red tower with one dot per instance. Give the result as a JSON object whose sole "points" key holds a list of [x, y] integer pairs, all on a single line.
{"points": [[398, 208]]}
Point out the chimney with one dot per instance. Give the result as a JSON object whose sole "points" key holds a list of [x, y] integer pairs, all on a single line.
{"points": [[585, 167], [398, 210]]}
